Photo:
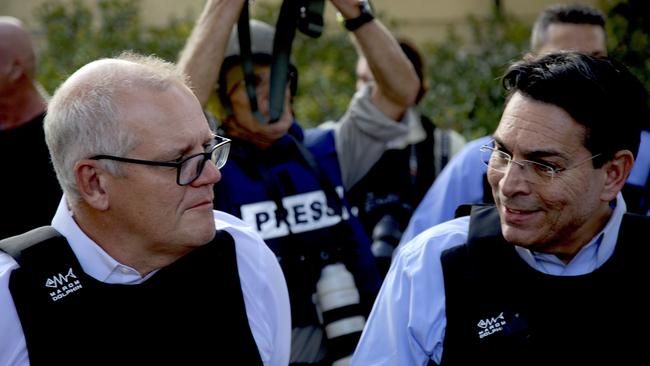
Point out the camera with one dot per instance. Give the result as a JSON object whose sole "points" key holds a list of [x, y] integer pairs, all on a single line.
{"points": [[385, 238], [341, 313], [385, 217], [310, 17]]}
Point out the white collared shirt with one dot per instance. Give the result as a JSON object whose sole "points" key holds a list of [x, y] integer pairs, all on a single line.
{"points": [[263, 286]]}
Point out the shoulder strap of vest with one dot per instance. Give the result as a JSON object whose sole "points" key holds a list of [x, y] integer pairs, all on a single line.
{"points": [[484, 226], [484, 222], [16, 244]]}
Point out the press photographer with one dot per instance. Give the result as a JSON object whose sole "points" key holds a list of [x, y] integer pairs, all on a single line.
{"points": [[273, 166]]}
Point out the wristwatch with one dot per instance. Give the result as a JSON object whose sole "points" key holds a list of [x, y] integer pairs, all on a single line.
{"points": [[363, 18]]}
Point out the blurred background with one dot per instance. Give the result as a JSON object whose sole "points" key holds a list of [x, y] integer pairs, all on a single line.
{"points": [[467, 45]]}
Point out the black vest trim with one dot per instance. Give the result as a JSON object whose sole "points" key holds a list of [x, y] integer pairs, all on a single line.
{"points": [[189, 312], [501, 311]]}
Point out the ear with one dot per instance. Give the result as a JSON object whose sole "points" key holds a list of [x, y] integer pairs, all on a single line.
{"points": [[91, 181], [16, 71], [617, 169]]}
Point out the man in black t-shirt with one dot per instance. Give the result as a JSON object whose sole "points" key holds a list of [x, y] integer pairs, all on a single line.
{"points": [[29, 192]]}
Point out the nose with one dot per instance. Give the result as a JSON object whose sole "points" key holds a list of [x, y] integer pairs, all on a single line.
{"points": [[513, 181], [209, 175]]}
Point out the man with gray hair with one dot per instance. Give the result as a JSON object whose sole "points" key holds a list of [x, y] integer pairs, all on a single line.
{"points": [[137, 265], [291, 183]]}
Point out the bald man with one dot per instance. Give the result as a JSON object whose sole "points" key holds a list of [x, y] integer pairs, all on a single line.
{"points": [[29, 192]]}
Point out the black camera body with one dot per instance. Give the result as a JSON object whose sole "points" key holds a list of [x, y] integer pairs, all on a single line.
{"points": [[310, 17]]}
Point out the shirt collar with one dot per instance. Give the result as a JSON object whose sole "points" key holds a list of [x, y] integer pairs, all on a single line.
{"points": [[590, 257], [93, 259]]}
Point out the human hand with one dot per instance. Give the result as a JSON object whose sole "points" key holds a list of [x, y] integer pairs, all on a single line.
{"points": [[348, 8]]}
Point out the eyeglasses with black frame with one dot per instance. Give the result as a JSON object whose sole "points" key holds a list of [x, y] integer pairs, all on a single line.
{"points": [[190, 168], [535, 172]]}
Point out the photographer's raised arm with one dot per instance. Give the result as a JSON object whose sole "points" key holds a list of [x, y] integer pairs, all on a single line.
{"points": [[203, 53], [397, 84]]}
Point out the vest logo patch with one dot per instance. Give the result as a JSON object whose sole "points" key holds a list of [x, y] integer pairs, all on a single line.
{"points": [[63, 285], [305, 212], [491, 325]]}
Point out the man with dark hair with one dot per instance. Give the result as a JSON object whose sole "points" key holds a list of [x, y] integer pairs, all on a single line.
{"points": [[531, 280], [561, 27], [29, 192], [570, 27]]}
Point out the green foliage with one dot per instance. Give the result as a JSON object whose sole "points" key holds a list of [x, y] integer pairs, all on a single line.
{"points": [[76, 34], [326, 76], [463, 74], [465, 91], [628, 32]]}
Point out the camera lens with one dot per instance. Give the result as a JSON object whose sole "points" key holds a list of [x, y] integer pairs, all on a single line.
{"points": [[339, 302], [385, 235]]}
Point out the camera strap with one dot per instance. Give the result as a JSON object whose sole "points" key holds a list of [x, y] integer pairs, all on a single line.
{"points": [[285, 31], [334, 201], [244, 34], [307, 16]]}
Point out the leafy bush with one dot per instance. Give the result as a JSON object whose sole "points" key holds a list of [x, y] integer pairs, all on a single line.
{"points": [[326, 76], [465, 93], [463, 73], [76, 34], [628, 31]]}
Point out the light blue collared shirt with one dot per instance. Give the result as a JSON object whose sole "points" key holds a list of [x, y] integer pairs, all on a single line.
{"points": [[407, 323], [461, 182]]}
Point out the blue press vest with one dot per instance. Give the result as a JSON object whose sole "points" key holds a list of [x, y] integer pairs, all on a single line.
{"points": [[309, 234]]}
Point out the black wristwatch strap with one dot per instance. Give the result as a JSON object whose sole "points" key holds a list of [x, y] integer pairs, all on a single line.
{"points": [[363, 18]]}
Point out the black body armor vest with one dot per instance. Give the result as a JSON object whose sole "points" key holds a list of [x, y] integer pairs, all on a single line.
{"points": [[189, 312], [501, 311]]}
